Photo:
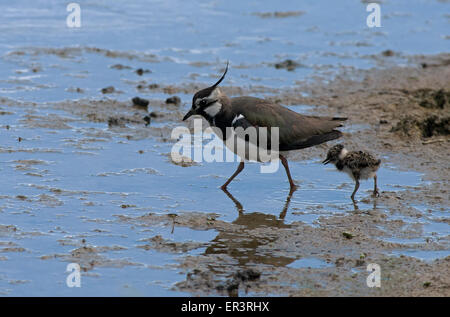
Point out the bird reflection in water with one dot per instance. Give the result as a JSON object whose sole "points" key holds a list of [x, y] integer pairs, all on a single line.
{"points": [[244, 245]]}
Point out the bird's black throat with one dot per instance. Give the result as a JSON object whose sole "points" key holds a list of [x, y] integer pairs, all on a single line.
{"points": [[340, 165]]}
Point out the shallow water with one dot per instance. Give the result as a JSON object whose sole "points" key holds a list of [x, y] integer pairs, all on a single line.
{"points": [[162, 36], [60, 194], [74, 190]]}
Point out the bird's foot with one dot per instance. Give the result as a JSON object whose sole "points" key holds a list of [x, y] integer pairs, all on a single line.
{"points": [[376, 193]]}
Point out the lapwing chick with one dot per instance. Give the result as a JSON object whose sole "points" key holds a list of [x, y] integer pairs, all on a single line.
{"points": [[296, 131], [357, 164]]}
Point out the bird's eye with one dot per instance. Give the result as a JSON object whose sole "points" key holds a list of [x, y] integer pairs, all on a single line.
{"points": [[203, 102]]}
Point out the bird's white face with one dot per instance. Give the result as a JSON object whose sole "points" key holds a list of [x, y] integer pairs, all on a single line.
{"points": [[213, 109], [336, 153], [209, 104], [343, 154]]}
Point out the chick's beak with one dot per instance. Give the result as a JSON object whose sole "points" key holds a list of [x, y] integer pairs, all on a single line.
{"points": [[326, 161], [190, 113]]}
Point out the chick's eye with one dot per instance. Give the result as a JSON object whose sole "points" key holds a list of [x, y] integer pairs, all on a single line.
{"points": [[203, 102]]}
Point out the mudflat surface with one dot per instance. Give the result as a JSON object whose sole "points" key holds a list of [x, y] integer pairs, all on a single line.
{"points": [[87, 180]]}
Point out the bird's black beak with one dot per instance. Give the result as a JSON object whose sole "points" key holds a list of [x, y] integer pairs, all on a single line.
{"points": [[190, 113], [326, 161]]}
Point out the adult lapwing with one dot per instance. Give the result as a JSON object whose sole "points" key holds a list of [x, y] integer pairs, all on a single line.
{"points": [[296, 131], [357, 164]]}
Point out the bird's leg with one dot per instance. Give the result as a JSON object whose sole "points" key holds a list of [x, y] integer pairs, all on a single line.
{"points": [[375, 189], [235, 201], [239, 169], [355, 190], [286, 205], [286, 167]]}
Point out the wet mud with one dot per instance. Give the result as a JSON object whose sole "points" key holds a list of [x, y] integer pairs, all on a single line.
{"points": [[90, 180]]}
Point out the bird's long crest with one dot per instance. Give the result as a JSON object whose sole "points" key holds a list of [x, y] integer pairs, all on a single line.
{"points": [[221, 78]]}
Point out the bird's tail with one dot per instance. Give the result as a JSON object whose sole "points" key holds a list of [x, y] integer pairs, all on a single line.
{"points": [[317, 139], [339, 119]]}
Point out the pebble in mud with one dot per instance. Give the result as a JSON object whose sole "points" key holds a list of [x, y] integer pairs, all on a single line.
{"points": [[141, 71], [288, 64], [248, 275], [147, 120], [347, 235], [116, 122], [120, 66], [149, 86], [108, 90], [388, 53], [75, 89], [140, 102], [174, 100]]}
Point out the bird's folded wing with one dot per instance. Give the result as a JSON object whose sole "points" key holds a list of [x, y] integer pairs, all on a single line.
{"points": [[361, 160], [294, 128]]}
